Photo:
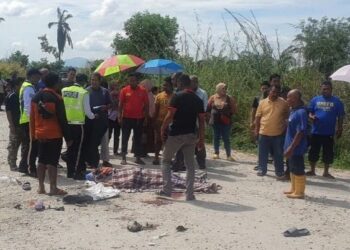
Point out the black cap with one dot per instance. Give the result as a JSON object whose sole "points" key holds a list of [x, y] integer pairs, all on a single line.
{"points": [[33, 71]]}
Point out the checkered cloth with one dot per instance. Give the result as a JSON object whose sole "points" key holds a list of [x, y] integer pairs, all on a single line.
{"points": [[139, 179]]}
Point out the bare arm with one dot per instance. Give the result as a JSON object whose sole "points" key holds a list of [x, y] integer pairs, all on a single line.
{"points": [[257, 126], [296, 141], [252, 117], [201, 130], [167, 120]]}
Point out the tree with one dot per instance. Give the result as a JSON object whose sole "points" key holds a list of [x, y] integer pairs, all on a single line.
{"points": [[148, 36], [63, 30], [20, 58], [46, 47], [325, 43], [56, 66]]}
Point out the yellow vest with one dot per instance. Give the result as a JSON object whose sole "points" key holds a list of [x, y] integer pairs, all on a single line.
{"points": [[24, 118], [73, 98]]}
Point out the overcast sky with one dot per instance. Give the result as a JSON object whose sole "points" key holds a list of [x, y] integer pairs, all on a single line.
{"points": [[95, 22]]}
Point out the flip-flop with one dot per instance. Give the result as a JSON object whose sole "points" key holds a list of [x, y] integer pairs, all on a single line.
{"points": [[58, 192], [26, 186], [329, 176], [294, 232]]}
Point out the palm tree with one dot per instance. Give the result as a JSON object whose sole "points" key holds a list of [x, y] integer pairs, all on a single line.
{"points": [[63, 30]]}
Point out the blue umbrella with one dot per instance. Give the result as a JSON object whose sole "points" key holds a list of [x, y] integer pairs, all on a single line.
{"points": [[160, 67]]}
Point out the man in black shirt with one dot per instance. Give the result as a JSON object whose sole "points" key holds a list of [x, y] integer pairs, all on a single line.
{"points": [[184, 110], [13, 114]]}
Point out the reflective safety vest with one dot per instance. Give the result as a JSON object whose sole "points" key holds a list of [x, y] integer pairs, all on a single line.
{"points": [[24, 118], [73, 98]]}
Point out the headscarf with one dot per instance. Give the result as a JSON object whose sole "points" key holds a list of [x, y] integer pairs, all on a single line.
{"points": [[220, 86], [147, 84]]}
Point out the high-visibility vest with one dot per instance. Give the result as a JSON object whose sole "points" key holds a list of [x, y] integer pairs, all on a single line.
{"points": [[24, 118], [73, 98]]}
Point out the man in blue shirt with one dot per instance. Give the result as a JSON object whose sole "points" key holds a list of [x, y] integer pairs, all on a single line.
{"points": [[327, 113], [295, 144]]}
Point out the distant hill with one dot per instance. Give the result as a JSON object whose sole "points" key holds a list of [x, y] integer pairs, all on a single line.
{"points": [[76, 62]]}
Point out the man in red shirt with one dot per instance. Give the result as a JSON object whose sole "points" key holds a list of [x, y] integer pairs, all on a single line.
{"points": [[133, 112]]}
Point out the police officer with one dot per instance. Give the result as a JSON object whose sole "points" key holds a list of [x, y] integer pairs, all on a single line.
{"points": [[77, 104], [29, 146]]}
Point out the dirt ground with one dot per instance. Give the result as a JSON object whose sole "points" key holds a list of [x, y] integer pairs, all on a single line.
{"points": [[250, 212]]}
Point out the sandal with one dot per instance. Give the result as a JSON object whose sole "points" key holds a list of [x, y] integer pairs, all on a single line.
{"points": [[310, 173], [294, 232], [59, 192], [329, 176], [26, 186]]}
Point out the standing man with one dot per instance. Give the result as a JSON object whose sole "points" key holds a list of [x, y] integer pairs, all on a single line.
{"points": [[13, 114], [184, 110], [270, 125], [275, 80], [100, 102], [71, 74], [327, 113], [41, 84], [133, 112], [48, 124], [29, 145], [202, 94], [264, 91], [295, 144], [161, 109], [77, 105]]}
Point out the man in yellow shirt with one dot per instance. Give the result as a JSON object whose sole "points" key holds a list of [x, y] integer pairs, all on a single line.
{"points": [[270, 125], [161, 109]]}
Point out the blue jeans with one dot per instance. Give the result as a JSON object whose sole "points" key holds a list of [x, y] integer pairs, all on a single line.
{"points": [[222, 131], [266, 143]]}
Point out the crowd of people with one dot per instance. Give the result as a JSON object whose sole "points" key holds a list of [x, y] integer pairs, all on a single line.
{"points": [[43, 109]]}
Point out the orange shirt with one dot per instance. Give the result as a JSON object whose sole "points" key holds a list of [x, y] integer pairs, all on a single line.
{"points": [[162, 100], [133, 102]]}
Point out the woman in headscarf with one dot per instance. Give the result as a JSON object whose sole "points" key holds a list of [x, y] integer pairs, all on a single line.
{"points": [[221, 107], [148, 132]]}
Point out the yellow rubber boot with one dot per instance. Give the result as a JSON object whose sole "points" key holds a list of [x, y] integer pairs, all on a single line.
{"points": [[299, 187], [292, 183]]}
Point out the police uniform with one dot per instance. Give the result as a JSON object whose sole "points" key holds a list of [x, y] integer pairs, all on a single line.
{"points": [[76, 102]]}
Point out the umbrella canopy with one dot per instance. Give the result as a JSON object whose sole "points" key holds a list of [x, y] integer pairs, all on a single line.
{"points": [[160, 67], [342, 74], [117, 64]]}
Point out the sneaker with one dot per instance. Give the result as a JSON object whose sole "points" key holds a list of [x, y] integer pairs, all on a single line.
{"points": [[216, 156], [260, 173], [191, 198], [156, 162], [107, 164], [162, 194], [139, 161], [123, 162], [230, 158]]}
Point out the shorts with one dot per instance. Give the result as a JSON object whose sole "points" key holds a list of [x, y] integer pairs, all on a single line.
{"points": [[296, 164], [325, 142], [50, 151]]}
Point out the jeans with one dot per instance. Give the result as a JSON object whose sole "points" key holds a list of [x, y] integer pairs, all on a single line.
{"points": [[75, 160], [266, 143], [222, 131]]}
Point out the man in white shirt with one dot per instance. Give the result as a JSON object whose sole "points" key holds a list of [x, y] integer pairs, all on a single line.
{"points": [[29, 147]]}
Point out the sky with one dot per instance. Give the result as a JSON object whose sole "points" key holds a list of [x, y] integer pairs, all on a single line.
{"points": [[95, 23]]}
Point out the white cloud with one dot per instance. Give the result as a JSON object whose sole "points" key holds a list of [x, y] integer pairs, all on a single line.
{"points": [[108, 8], [95, 41], [12, 8]]}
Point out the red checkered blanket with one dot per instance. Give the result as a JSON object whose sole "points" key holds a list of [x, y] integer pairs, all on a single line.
{"points": [[139, 179]]}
